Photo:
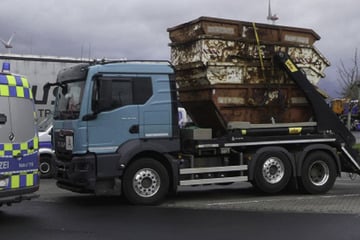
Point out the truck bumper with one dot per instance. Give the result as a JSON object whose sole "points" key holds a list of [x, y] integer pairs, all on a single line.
{"points": [[77, 175]]}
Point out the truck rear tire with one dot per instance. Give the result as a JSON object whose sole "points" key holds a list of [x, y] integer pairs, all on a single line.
{"points": [[318, 173], [145, 182], [272, 172]]}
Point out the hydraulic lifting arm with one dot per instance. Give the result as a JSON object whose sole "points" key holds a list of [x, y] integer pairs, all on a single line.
{"points": [[325, 117]]}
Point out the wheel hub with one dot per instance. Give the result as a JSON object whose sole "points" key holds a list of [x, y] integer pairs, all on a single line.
{"points": [[44, 167], [146, 182], [273, 170], [319, 173]]}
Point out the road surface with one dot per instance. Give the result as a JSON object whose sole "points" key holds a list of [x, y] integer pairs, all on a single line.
{"points": [[234, 212]]}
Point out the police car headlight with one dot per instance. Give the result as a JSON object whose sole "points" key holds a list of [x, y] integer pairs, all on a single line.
{"points": [[4, 182]]}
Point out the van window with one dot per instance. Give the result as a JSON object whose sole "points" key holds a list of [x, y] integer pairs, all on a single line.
{"points": [[22, 117], [19, 113], [5, 127]]}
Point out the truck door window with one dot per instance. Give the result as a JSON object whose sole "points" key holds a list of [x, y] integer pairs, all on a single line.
{"points": [[142, 90], [121, 93], [111, 93]]}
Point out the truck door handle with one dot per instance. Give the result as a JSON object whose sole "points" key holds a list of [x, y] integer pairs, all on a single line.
{"points": [[134, 129]]}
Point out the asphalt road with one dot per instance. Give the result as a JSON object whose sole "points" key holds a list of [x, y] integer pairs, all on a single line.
{"points": [[233, 212], [344, 198]]}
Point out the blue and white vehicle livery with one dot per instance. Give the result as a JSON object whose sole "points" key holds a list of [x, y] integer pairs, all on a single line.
{"points": [[19, 175], [46, 152]]}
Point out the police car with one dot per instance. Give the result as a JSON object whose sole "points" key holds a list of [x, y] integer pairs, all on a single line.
{"points": [[19, 140], [46, 152]]}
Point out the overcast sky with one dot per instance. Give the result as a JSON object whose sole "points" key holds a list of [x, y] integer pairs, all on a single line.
{"points": [[136, 29]]}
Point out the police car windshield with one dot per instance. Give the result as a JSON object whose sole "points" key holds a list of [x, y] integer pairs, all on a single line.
{"points": [[68, 99]]}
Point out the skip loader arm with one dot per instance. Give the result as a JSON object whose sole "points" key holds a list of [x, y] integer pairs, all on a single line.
{"points": [[327, 121]]}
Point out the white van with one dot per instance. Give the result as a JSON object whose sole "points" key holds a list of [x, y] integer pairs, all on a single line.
{"points": [[46, 152]]}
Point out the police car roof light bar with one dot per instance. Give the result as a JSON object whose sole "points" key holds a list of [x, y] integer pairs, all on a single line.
{"points": [[6, 67]]}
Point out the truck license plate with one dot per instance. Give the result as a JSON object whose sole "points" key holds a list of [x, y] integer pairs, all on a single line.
{"points": [[69, 143]]}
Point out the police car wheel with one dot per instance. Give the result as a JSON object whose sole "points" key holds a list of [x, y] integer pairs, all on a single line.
{"points": [[45, 167], [145, 182]]}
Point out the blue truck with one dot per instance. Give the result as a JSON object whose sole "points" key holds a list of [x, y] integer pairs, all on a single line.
{"points": [[116, 130]]}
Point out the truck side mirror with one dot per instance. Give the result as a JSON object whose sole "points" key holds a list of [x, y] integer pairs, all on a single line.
{"points": [[63, 86], [64, 89]]}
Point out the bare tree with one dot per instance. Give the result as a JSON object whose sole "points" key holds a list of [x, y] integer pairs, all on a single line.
{"points": [[349, 78]]}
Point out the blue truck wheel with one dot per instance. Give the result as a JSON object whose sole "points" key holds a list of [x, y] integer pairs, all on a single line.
{"points": [[145, 182], [318, 173], [272, 172]]}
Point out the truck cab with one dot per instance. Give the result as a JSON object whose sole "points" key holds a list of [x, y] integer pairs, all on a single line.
{"points": [[108, 115]]}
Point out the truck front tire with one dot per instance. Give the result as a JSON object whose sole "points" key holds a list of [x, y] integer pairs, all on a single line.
{"points": [[145, 182], [272, 172], [318, 173]]}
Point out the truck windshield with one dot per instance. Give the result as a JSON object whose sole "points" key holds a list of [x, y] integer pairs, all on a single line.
{"points": [[68, 99]]}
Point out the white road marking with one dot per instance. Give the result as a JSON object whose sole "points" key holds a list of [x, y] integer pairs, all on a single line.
{"points": [[281, 199]]}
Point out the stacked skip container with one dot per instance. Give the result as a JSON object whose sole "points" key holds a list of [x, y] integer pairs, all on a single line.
{"points": [[225, 71], [253, 86]]}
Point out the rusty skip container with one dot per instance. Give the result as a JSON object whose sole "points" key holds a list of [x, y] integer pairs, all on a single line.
{"points": [[225, 71]]}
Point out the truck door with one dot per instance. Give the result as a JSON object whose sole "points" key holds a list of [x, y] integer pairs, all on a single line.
{"points": [[117, 114]]}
